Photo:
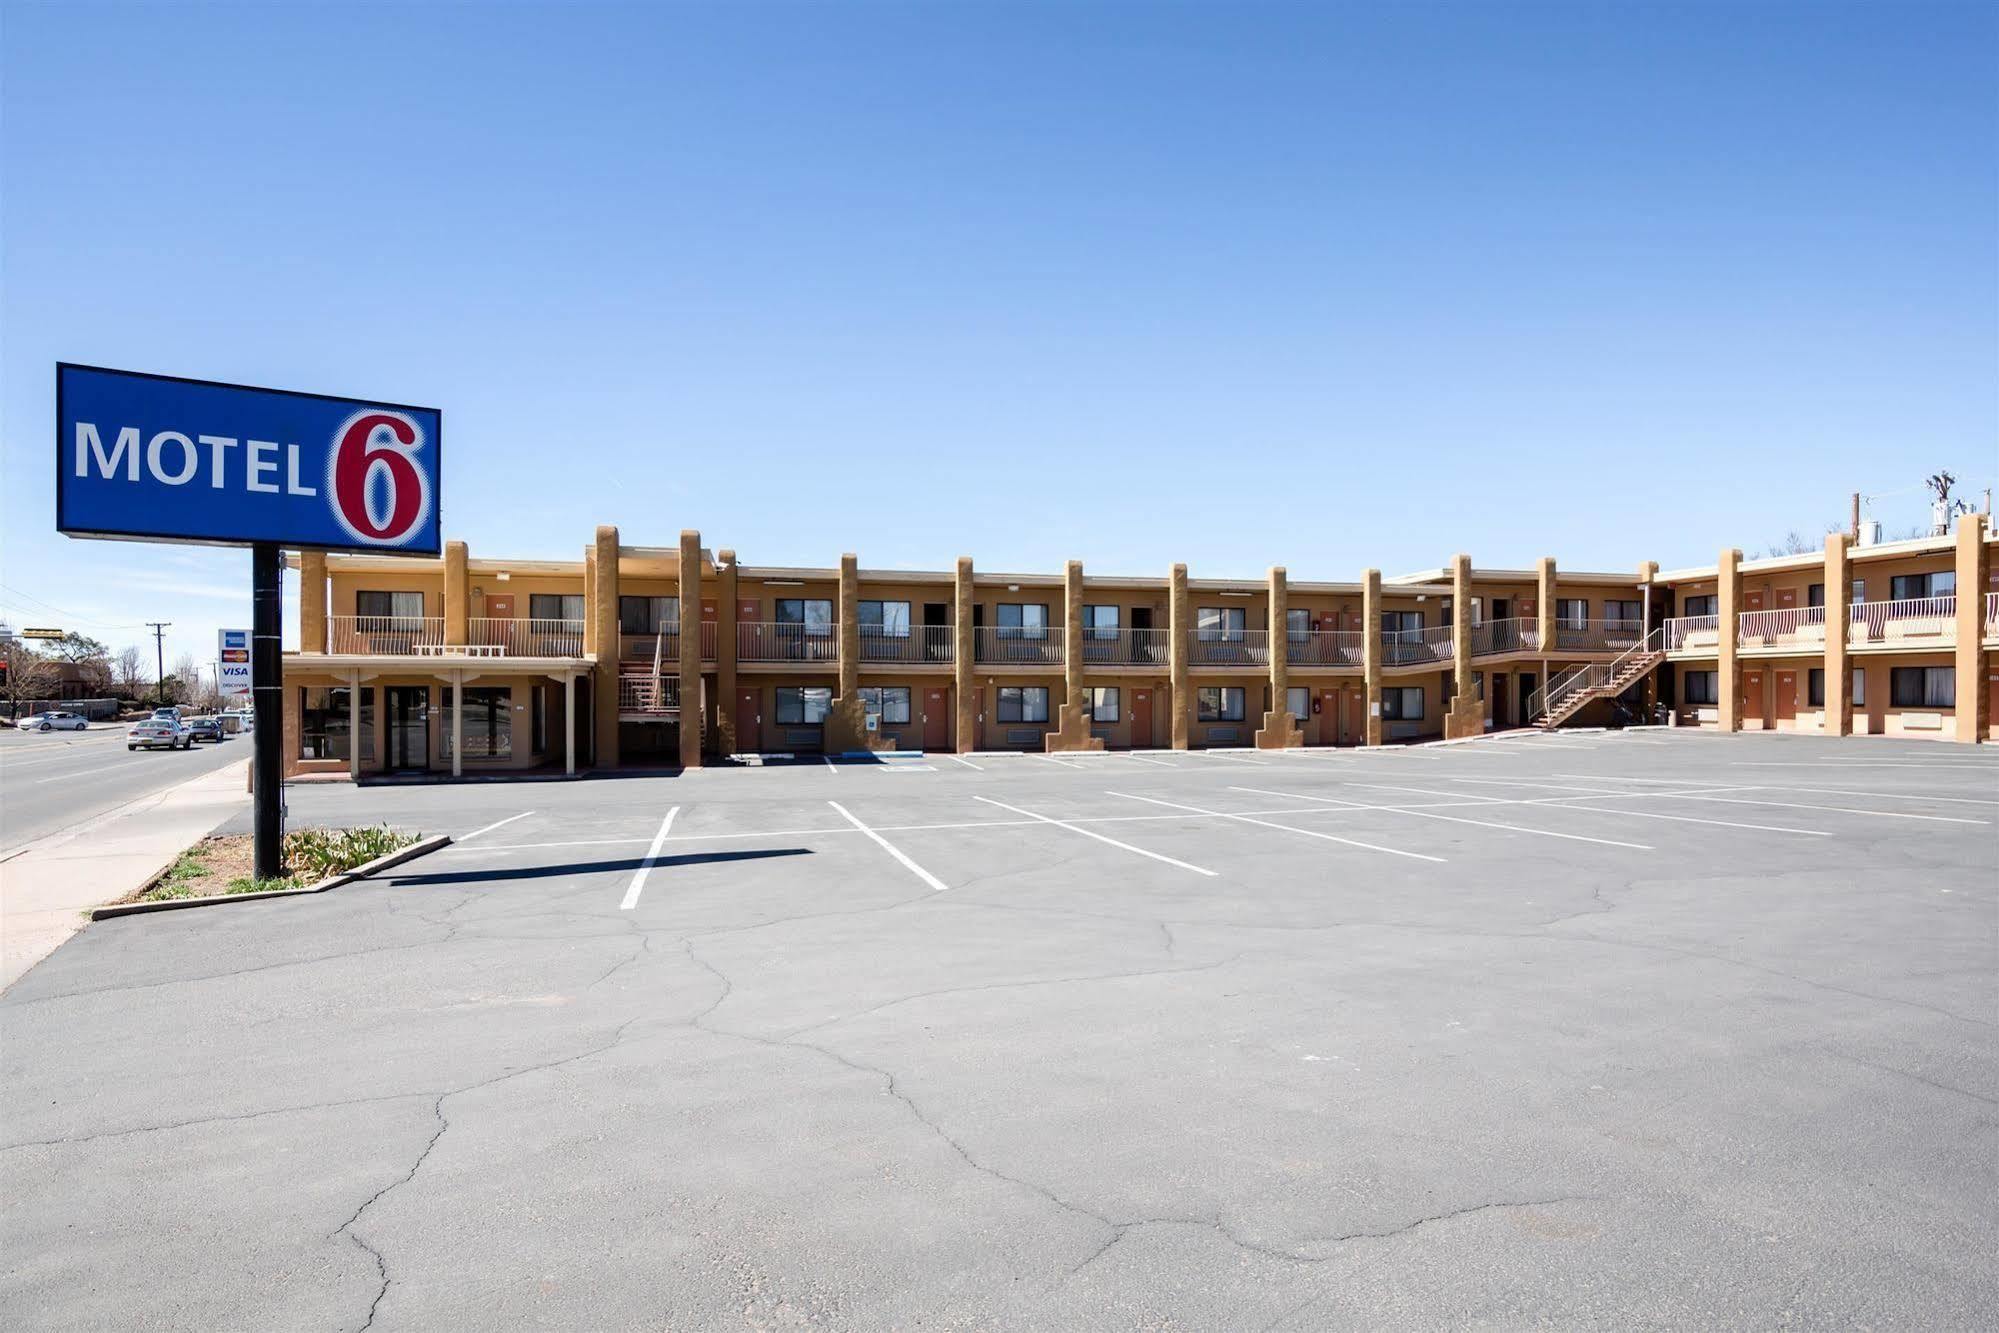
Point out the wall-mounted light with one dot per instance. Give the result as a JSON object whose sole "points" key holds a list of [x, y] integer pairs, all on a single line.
{"points": [[1013, 587], [503, 576]]}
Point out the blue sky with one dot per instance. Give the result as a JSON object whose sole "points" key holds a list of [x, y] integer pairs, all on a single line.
{"points": [[1608, 282]]}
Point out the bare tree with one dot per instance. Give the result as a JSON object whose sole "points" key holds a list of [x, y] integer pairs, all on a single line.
{"points": [[128, 668], [183, 683], [31, 676]]}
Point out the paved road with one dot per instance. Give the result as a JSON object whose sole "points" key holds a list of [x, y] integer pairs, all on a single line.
{"points": [[1678, 1031], [51, 781]]}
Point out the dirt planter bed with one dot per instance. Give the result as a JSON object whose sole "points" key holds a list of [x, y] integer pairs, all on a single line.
{"points": [[421, 847]]}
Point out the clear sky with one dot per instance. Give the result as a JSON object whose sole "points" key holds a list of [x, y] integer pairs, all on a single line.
{"points": [[1324, 286]]}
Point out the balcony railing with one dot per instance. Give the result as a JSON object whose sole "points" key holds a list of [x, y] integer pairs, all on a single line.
{"points": [[768, 641], [1026, 645], [1247, 648], [1687, 634], [1913, 620], [527, 638], [1404, 647], [1992, 615], [1127, 647], [393, 636], [1596, 636], [1802, 625], [648, 694], [665, 645], [1324, 647], [1505, 636], [917, 644]]}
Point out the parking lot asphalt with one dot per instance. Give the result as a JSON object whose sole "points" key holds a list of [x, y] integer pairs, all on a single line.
{"points": [[1636, 1030]]}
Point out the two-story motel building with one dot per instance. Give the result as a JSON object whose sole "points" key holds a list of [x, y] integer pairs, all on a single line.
{"points": [[666, 656]]}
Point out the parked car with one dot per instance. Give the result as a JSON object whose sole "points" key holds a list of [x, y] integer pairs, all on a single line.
{"points": [[206, 729], [157, 731], [54, 721]]}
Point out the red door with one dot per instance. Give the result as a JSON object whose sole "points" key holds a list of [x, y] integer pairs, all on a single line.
{"points": [[1752, 698], [500, 607], [936, 721], [1141, 719], [1787, 695], [1786, 597], [749, 722], [1752, 600]]}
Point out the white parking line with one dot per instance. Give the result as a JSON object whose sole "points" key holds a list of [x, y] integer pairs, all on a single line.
{"points": [[834, 768], [1232, 758], [1284, 828], [1589, 794], [1453, 819], [490, 827], [1699, 784], [890, 848], [1141, 759], [1049, 758], [1058, 823], [966, 762], [1794, 805], [645, 867]]}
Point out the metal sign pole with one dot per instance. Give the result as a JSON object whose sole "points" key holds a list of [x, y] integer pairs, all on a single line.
{"points": [[268, 707]]}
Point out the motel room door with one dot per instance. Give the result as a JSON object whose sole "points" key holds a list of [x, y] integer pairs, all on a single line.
{"points": [[749, 723], [1752, 698], [500, 606], [1787, 696], [1141, 719], [936, 720]]}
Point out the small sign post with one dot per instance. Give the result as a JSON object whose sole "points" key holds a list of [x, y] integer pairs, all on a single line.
{"points": [[154, 458]]}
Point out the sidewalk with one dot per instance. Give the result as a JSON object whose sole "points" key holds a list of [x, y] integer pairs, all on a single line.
{"points": [[48, 886]]}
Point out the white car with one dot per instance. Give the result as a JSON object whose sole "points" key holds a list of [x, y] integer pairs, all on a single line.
{"points": [[157, 731], [54, 721]]}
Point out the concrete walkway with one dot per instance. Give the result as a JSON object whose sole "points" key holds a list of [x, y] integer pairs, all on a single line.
{"points": [[48, 886]]}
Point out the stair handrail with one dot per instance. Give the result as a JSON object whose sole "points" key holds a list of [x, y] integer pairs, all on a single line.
{"points": [[1592, 676]]}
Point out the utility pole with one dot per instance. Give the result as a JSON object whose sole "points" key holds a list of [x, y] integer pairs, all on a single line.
{"points": [[1854, 530], [159, 628]]}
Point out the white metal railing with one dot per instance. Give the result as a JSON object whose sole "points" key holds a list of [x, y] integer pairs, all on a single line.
{"points": [[1563, 689], [1692, 633], [1127, 647], [1513, 635], [787, 641], [1912, 619], [1992, 615], [916, 643], [526, 638], [1220, 647], [1597, 636], [1787, 625], [1034, 645], [1401, 647], [640, 693], [394, 636], [1326, 647]]}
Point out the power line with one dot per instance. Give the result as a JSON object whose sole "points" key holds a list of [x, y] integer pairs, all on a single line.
{"points": [[61, 611]]}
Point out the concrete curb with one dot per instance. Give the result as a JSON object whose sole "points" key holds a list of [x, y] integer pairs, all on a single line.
{"points": [[421, 847]]}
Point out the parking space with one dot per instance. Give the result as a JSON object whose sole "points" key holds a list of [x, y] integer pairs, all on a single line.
{"points": [[1610, 1029]]}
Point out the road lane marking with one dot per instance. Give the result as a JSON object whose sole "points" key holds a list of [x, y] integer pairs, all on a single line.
{"points": [[80, 773], [1455, 819], [889, 847], [1088, 833], [1264, 823], [645, 867], [490, 827]]}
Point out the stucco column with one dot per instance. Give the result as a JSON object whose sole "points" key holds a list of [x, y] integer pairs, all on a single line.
{"points": [[1970, 653], [589, 600], [354, 726], [725, 654], [1072, 730], [604, 619], [964, 689], [1467, 715], [457, 593], [1838, 675], [1544, 612], [569, 722], [1370, 657], [1179, 624], [457, 724], [846, 717], [1728, 665], [1648, 572], [312, 603], [1280, 731], [689, 590]]}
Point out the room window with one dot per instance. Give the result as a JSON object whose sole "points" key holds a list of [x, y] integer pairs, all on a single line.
{"points": [[890, 703], [1572, 612], [815, 614], [389, 605], [323, 723], [1402, 703], [1629, 612], [1018, 620], [1815, 688], [1923, 687], [1904, 587], [1701, 686], [1100, 622], [886, 620], [1815, 594], [1297, 626], [648, 615], [555, 606], [1859, 594], [1219, 624], [488, 724], [1401, 622], [1298, 702], [1219, 703], [800, 707], [1023, 703], [1704, 605], [1100, 703], [1859, 699]]}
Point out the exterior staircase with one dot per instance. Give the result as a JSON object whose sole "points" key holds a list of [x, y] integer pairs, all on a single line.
{"points": [[1566, 695], [645, 691]]}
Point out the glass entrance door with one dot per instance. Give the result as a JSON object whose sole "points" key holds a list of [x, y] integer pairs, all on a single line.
{"points": [[409, 726]]}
